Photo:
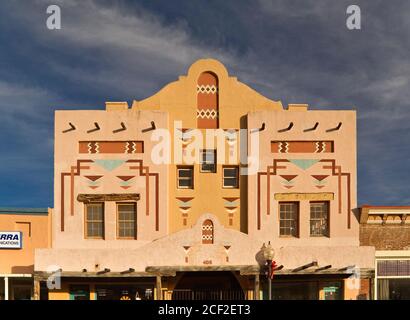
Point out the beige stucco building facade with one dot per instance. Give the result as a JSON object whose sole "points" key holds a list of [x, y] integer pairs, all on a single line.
{"points": [[172, 197]]}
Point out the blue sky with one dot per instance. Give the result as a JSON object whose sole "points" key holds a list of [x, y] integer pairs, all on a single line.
{"points": [[293, 51]]}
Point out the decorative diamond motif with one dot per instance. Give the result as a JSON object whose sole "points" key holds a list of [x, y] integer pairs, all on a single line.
{"points": [[208, 89], [207, 114]]}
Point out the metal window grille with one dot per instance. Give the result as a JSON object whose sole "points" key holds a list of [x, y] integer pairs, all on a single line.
{"points": [[391, 268], [126, 220], [289, 219], [319, 219], [95, 220]]}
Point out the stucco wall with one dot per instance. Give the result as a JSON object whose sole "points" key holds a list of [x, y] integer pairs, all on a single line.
{"points": [[36, 234], [171, 251], [239, 107], [66, 156], [344, 156]]}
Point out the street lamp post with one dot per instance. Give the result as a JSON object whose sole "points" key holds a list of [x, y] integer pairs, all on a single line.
{"points": [[268, 255]]}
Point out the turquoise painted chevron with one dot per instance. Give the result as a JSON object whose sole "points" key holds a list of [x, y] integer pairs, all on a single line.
{"points": [[304, 164], [231, 203], [184, 204], [109, 165], [321, 183], [126, 183]]}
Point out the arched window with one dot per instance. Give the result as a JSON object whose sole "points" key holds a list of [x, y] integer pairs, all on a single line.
{"points": [[207, 232], [207, 101]]}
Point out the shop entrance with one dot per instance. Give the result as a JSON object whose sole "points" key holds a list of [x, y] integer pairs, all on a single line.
{"points": [[203, 285], [124, 292]]}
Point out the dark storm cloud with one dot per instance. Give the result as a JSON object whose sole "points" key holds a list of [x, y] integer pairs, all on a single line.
{"points": [[293, 51]]}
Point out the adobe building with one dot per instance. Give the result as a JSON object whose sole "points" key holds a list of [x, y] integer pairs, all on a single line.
{"points": [[21, 232], [174, 196], [387, 228]]}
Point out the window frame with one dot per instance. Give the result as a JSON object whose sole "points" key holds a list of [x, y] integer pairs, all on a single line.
{"points": [[297, 233], [118, 237], [327, 235], [86, 205], [237, 177], [202, 151], [185, 178]]}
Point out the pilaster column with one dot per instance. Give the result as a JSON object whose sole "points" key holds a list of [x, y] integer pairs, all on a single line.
{"points": [[257, 287], [159, 287], [6, 288]]}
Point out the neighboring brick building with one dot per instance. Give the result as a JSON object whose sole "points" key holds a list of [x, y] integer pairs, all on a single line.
{"points": [[387, 228]]}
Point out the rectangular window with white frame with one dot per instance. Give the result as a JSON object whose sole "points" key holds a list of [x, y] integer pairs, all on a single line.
{"points": [[230, 177], [185, 177]]}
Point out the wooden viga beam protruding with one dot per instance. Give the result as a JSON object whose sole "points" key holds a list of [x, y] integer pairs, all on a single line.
{"points": [[313, 128], [97, 127], [72, 127], [153, 127], [347, 268], [290, 126], [323, 268], [306, 266], [335, 128], [259, 129], [123, 127], [278, 268]]}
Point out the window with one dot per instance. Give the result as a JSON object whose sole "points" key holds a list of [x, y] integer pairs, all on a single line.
{"points": [[231, 177], [208, 161], [185, 176], [126, 227], [289, 219], [94, 221], [319, 219]]}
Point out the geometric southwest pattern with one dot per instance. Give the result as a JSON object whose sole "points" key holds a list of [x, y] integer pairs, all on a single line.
{"points": [[184, 204], [84, 164], [301, 146], [207, 114], [209, 89], [320, 180], [207, 232], [109, 164], [95, 147], [126, 181], [93, 182], [207, 101], [231, 205], [288, 181], [335, 169], [304, 164], [144, 171]]}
